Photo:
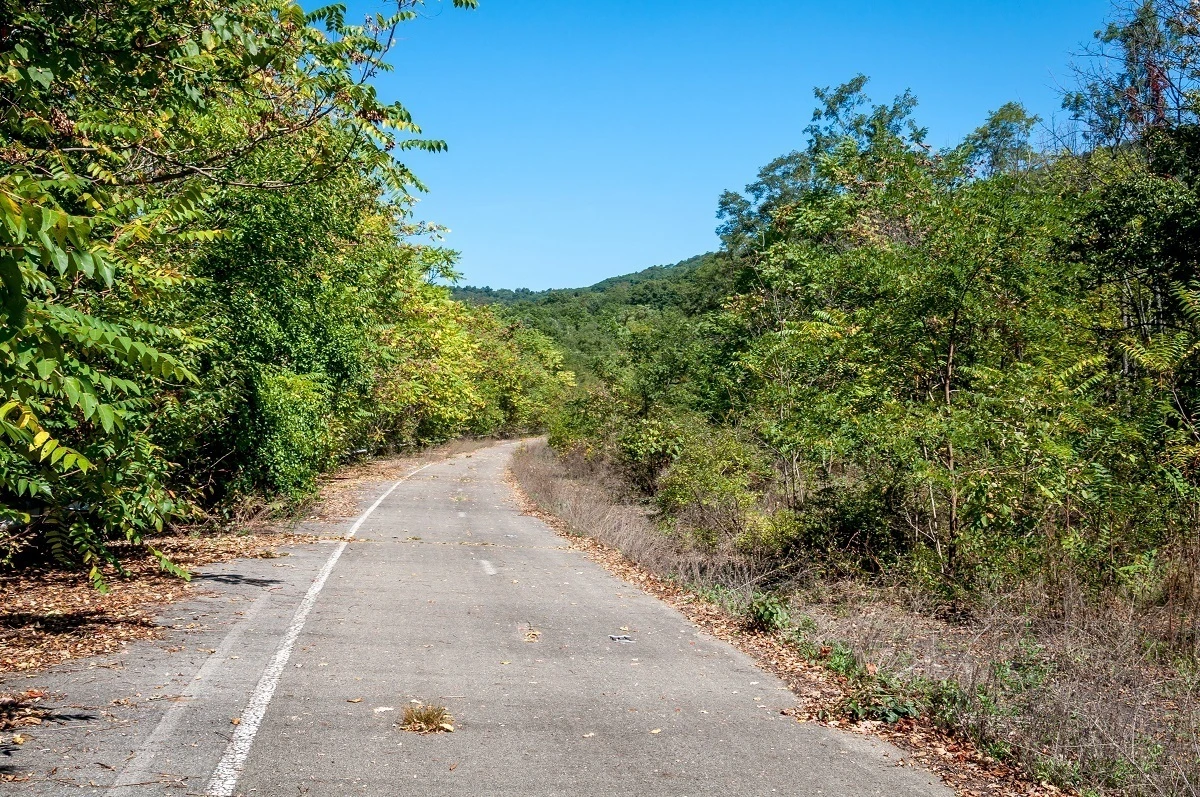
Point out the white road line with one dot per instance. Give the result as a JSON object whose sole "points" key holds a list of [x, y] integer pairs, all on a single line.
{"points": [[488, 567], [134, 772], [229, 768]]}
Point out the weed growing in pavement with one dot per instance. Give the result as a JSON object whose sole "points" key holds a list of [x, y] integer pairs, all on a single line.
{"points": [[427, 719]]}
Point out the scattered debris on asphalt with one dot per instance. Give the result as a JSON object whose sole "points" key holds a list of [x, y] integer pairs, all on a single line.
{"points": [[22, 709]]}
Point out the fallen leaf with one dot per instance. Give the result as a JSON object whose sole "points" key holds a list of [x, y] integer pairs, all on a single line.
{"points": [[236, 721], [354, 700], [656, 730]]}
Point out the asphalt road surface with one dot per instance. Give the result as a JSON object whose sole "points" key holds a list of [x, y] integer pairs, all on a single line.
{"points": [[290, 675]]}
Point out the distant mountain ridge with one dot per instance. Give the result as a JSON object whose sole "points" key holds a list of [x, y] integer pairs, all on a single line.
{"points": [[508, 296], [586, 322]]}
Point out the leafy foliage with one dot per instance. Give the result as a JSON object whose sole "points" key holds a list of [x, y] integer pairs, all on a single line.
{"points": [[768, 613], [972, 369], [210, 283]]}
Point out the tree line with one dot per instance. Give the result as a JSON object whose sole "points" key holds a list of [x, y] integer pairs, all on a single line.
{"points": [[211, 281], [973, 370]]}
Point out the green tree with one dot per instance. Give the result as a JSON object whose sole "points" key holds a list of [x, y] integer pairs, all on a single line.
{"points": [[146, 145]]}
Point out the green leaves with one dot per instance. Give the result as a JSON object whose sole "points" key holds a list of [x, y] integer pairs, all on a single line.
{"points": [[20, 425], [13, 300], [965, 368], [138, 334], [128, 125], [40, 76]]}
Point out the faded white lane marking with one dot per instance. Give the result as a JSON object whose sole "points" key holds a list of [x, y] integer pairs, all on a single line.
{"points": [[229, 768], [134, 772], [488, 567], [462, 514]]}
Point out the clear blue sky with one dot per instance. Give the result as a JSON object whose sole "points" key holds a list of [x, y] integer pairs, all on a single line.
{"points": [[590, 138]]}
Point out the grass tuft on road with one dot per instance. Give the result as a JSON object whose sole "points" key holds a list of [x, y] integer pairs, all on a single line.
{"points": [[427, 719]]}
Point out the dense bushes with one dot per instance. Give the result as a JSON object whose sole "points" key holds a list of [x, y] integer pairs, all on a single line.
{"points": [[294, 440], [212, 285], [973, 369]]}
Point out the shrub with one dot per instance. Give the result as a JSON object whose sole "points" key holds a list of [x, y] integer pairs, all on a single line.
{"points": [[708, 487], [291, 436], [648, 446], [768, 612]]}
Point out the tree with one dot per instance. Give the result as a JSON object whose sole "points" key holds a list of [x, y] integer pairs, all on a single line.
{"points": [[1142, 73], [121, 123]]}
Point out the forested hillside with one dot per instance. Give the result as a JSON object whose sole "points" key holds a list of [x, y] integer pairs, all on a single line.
{"points": [[969, 374], [591, 324], [213, 285]]}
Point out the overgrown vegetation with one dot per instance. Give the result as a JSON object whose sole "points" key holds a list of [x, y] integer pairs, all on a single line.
{"points": [[212, 283], [969, 378], [1078, 700]]}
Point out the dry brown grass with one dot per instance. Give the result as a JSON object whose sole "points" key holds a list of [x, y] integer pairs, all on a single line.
{"points": [[1084, 696], [588, 495], [427, 719], [1080, 699]]}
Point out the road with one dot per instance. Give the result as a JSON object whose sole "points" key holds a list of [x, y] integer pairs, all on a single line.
{"points": [[289, 677]]}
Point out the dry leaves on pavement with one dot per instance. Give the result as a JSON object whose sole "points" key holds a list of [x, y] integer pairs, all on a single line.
{"points": [[48, 617]]}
